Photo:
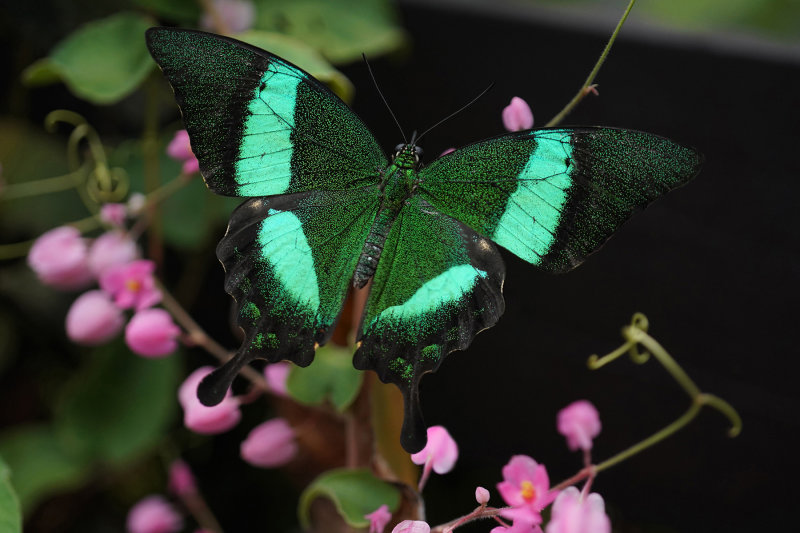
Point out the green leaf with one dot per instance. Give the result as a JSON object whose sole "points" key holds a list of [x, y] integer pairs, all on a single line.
{"points": [[187, 11], [331, 377], [10, 512], [355, 492], [302, 55], [119, 406], [102, 62], [40, 465], [340, 30]]}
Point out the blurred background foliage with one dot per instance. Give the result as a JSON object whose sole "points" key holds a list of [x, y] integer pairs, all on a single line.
{"points": [[83, 420]]}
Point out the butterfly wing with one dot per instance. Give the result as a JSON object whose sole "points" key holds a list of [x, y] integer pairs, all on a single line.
{"points": [[437, 284], [259, 125], [554, 196], [288, 262]]}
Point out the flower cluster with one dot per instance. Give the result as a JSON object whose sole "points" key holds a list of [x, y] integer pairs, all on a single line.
{"points": [[64, 259]]}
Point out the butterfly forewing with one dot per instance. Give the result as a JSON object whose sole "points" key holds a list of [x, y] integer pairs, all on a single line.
{"points": [[259, 125], [553, 196]]}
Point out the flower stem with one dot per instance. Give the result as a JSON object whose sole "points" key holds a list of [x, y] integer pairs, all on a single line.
{"points": [[587, 87]]}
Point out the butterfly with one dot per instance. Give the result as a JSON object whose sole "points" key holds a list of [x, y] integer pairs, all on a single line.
{"points": [[325, 210]]}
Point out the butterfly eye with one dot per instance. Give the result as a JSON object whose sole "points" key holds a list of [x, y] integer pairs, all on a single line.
{"points": [[399, 148], [419, 151]]}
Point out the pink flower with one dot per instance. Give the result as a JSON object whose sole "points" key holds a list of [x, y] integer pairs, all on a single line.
{"points": [[206, 420], [111, 249], [580, 423], [237, 15], [519, 526], [132, 284], [59, 259], [517, 115], [439, 453], [154, 515], [114, 214], [526, 488], [378, 519], [181, 149], [573, 514], [152, 333], [93, 319], [270, 444], [481, 495], [276, 375], [412, 526], [181, 480]]}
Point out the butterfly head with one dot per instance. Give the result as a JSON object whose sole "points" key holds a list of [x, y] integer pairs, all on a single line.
{"points": [[407, 155]]}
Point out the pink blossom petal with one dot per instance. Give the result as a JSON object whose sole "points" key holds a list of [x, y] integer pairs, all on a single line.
{"points": [[152, 333], [517, 115], [579, 422], [378, 519], [132, 284], [206, 420], [114, 214], [181, 479], [440, 451], [276, 375], [572, 514], [112, 248], [270, 444], [93, 319], [180, 148], [412, 526], [59, 258], [154, 515], [238, 15]]}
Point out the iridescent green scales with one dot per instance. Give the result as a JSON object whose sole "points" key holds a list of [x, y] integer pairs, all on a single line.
{"points": [[326, 210]]}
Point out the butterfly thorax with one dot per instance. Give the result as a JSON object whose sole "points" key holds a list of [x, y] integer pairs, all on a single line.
{"points": [[397, 185]]}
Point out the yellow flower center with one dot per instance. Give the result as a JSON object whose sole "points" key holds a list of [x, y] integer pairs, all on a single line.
{"points": [[528, 492], [133, 285]]}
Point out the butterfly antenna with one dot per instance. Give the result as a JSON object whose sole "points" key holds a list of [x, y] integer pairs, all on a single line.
{"points": [[374, 81], [462, 108]]}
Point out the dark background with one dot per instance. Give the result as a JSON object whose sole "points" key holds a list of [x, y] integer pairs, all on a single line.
{"points": [[713, 265]]}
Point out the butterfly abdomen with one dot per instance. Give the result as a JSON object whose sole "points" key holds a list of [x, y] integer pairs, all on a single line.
{"points": [[371, 253]]}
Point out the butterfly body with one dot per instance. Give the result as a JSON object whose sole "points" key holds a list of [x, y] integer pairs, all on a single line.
{"points": [[325, 209]]}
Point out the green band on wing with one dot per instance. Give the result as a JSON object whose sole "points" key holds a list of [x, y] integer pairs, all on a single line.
{"points": [[264, 164], [448, 287], [529, 222], [285, 248]]}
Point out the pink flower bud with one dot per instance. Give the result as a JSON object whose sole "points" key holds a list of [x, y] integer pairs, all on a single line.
{"points": [[131, 284], [412, 526], [59, 259], [440, 453], [517, 115], [93, 319], [181, 149], [111, 249], [378, 519], [238, 15], [276, 375], [181, 480], [572, 514], [114, 214], [579, 422], [154, 515], [270, 444], [481, 495], [206, 420], [136, 203], [152, 333]]}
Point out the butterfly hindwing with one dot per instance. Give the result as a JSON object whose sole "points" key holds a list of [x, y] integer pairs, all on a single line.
{"points": [[436, 286], [259, 125], [553, 196], [288, 264]]}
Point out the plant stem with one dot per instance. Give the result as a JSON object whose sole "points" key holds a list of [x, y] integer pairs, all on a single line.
{"points": [[586, 88], [42, 186]]}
